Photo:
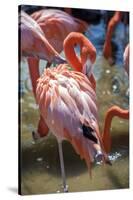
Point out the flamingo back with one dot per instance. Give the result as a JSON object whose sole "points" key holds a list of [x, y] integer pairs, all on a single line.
{"points": [[57, 24], [33, 41]]}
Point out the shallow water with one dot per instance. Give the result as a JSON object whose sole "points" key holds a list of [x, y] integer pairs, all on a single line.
{"points": [[40, 170]]}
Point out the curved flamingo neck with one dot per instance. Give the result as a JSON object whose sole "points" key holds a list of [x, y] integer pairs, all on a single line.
{"points": [[87, 50], [112, 112], [112, 24], [126, 58]]}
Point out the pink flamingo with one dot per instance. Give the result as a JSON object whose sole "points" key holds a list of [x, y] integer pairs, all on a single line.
{"points": [[56, 25], [35, 45], [115, 110], [67, 102]]}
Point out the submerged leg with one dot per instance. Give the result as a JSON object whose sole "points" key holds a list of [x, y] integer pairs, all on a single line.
{"points": [[65, 186]]}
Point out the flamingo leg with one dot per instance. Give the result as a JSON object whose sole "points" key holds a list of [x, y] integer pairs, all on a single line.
{"points": [[34, 72], [65, 186]]}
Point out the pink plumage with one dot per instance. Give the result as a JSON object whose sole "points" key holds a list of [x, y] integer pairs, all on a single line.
{"points": [[67, 102]]}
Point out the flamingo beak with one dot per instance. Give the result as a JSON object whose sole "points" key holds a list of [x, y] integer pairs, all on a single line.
{"points": [[99, 157], [59, 60], [87, 68], [35, 136]]}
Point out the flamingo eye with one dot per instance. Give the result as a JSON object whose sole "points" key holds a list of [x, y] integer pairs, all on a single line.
{"points": [[88, 133]]}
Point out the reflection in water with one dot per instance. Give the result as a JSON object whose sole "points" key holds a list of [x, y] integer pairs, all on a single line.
{"points": [[40, 162]]}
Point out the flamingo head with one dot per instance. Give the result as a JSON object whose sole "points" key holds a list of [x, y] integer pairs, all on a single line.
{"points": [[95, 146], [87, 67]]}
